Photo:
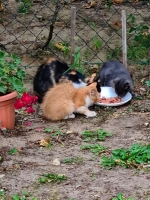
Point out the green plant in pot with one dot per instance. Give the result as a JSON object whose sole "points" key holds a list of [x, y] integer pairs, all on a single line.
{"points": [[11, 85]]}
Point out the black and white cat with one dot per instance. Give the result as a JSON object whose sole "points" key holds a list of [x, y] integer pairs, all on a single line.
{"points": [[115, 74], [53, 72]]}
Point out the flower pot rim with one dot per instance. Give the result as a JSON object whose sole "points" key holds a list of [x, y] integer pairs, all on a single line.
{"points": [[8, 96]]}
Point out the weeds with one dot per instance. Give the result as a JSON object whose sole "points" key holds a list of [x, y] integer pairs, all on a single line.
{"points": [[2, 193], [55, 131], [114, 53], [135, 156], [121, 197], [73, 160], [96, 43], [137, 52], [94, 148], [95, 135], [77, 60], [47, 178], [147, 83], [12, 151], [24, 6]]}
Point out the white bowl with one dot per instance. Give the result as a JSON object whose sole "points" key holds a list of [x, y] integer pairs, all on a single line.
{"points": [[108, 92]]}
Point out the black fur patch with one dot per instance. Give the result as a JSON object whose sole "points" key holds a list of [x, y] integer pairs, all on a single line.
{"points": [[52, 73]]}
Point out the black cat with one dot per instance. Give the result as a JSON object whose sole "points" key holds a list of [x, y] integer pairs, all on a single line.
{"points": [[53, 72], [115, 74]]}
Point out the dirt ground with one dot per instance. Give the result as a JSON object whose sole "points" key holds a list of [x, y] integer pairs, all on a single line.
{"points": [[86, 178]]}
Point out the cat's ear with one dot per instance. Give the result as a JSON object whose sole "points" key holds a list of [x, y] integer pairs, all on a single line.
{"points": [[93, 92]]}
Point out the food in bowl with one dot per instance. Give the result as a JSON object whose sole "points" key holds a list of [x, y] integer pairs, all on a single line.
{"points": [[110, 100]]}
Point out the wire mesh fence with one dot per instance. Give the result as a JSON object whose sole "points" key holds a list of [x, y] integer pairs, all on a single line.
{"points": [[37, 29]]}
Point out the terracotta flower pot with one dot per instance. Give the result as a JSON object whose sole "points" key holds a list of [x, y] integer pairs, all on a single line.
{"points": [[7, 110]]}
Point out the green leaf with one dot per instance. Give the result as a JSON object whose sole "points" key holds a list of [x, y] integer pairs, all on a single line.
{"points": [[3, 88], [12, 151], [15, 197]]}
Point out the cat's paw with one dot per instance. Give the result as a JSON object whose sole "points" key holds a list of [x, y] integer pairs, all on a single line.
{"points": [[70, 116], [90, 114]]}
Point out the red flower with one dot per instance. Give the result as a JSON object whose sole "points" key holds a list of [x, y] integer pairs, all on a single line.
{"points": [[26, 101], [18, 104], [26, 98], [34, 99], [30, 110]]}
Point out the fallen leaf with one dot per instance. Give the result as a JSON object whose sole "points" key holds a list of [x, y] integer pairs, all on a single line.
{"points": [[91, 4], [117, 1], [45, 142], [118, 24], [68, 132], [56, 161], [116, 115]]}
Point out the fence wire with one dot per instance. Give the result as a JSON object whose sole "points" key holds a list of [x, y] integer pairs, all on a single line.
{"points": [[37, 29]]}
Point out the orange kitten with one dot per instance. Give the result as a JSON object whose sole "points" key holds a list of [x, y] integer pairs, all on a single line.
{"points": [[62, 100]]}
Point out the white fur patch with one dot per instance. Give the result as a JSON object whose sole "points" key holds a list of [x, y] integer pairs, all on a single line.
{"points": [[88, 101], [79, 85], [70, 116], [90, 114], [84, 110]]}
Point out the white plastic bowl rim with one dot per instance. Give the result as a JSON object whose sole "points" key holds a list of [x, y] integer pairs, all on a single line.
{"points": [[108, 92]]}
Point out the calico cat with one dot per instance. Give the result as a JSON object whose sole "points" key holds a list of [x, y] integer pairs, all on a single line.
{"points": [[53, 72], [115, 74], [61, 101]]}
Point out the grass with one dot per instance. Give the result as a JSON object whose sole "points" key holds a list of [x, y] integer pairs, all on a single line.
{"points": [[96, 43], [73, 160], [47, 178], [137, 52], [24, 6], [114, 53], [99, 135], [55, 131], [136, 156], [25, 195], [94, 148]]}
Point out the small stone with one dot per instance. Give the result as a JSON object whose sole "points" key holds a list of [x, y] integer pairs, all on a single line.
{"points": [[56, 161], [143, 89], [2, 175], [146, 124]]}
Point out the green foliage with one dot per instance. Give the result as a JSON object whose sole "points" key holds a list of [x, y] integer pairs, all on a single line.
{"points": [[147, 83], [135, 156], [140, 32], [24, 196], [77, 60], [96, 43], [114, 53], [73, 160], [2, 193], [11, 74], [24, 6], [94, 148], [121, 197], [13, 151], [95, 135], [137, 52], [47, 178], [55, 131]]}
